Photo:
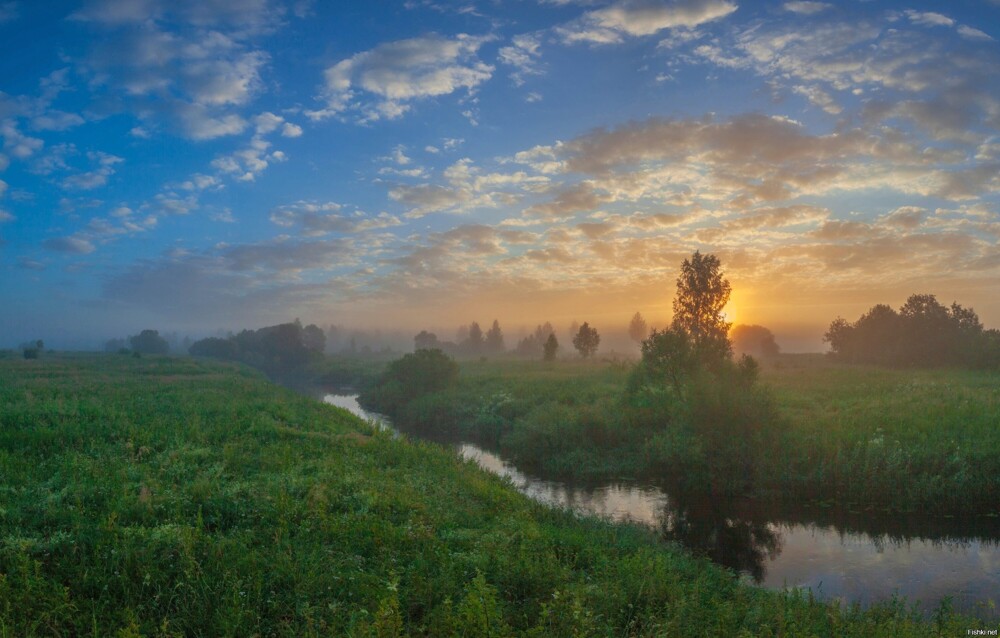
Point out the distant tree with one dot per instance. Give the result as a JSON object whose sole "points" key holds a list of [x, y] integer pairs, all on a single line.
{"points": [[149, 342], [30, 353], [702, 293], [574, 328], [474, 343], [754, 340], [425, 341], [419, 373], [215, 347], [550, 347], [40, 345], [586, 340], [923, 333], [637, 328], [313, 338], [532, 345], [494, 338]]}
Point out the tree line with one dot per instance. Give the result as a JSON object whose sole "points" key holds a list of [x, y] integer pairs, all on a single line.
{"points": [[922, 333]]}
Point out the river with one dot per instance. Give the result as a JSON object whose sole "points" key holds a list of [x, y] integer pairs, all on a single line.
{"points": [[859, 557]]}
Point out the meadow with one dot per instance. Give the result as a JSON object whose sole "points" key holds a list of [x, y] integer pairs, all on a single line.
{"points": [[854, 436], [178, 497]]}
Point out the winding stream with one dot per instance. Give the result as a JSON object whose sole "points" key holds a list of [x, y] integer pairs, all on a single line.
{"points": [[855, 558]]}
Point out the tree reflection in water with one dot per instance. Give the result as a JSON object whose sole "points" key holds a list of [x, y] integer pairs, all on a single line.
{"points": [[704, 527]]}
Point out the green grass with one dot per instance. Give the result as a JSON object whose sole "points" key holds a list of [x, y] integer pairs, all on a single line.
{"points": [[858, 436], [175, 497]]}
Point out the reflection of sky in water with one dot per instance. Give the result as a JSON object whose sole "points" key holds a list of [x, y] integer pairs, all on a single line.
{"points": [[851, 567]]}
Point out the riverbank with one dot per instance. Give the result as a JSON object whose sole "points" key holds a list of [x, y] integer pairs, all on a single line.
{"points": [[169, 497], [857, 437]]}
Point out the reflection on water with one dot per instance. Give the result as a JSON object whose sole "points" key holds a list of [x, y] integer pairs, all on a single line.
{"points": [[856, 558]]}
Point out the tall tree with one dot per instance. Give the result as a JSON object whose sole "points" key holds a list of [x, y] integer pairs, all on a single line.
{"points": [[550, 348], [586, 340], [702, 293], [475, 340], [637, 328], [494, 338]]}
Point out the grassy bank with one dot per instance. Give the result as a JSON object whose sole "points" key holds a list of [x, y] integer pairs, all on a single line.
{"points": [[174, 497], [859, 436]]}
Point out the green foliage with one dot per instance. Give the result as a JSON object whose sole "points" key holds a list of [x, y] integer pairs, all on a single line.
{"points": [[182, 497], [411, 377], [586, 340], [924, 333], [149, 342], [702, 293]]}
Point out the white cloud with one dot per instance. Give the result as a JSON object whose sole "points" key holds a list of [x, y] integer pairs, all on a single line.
{"points": [[805, 7], [523, 54], [613, 23], [16, 143], [291, 130], [6, 217], [96, 177], [397, 73], [929, 18], [56, 121], [973, 34]]}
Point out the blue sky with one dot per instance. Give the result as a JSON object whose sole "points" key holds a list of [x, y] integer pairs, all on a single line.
{"points": [[196, 164]]}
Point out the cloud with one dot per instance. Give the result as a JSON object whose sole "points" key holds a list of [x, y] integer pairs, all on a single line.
{"points": [[382, 82], [71, 245], [929, 19], [6, 217], [291, 130], [189, 62], [95, 178], [637, 18], [523, 54], [16, 143], [806, 8], [317, 220]]}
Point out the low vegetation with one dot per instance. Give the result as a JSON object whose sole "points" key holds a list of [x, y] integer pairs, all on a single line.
{"points": [[176, 497], [815, 430]]}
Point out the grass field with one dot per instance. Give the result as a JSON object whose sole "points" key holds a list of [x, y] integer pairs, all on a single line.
{"points": [[175, 497], [858, 436]]}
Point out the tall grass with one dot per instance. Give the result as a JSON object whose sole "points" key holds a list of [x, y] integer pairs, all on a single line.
{"points": [[170, 497]]}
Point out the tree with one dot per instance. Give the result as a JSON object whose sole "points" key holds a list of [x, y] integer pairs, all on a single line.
{"points": [[149, 342], [702, 293], [494, 338], [637, 328], [550, 348], [586, 340], [474, 343], [313, 338], [756, 341], [425, 341]]}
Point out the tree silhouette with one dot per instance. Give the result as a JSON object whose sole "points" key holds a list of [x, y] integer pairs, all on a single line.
{"points": [[637, 328], [756, 341], [474, 343], [425, 341], [550, 348], [313, 338], [702, 293], [149, 342], [586, 340], [494, 338]]}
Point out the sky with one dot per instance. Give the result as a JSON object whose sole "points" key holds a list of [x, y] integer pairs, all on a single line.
{"points": [[191, 165]]}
